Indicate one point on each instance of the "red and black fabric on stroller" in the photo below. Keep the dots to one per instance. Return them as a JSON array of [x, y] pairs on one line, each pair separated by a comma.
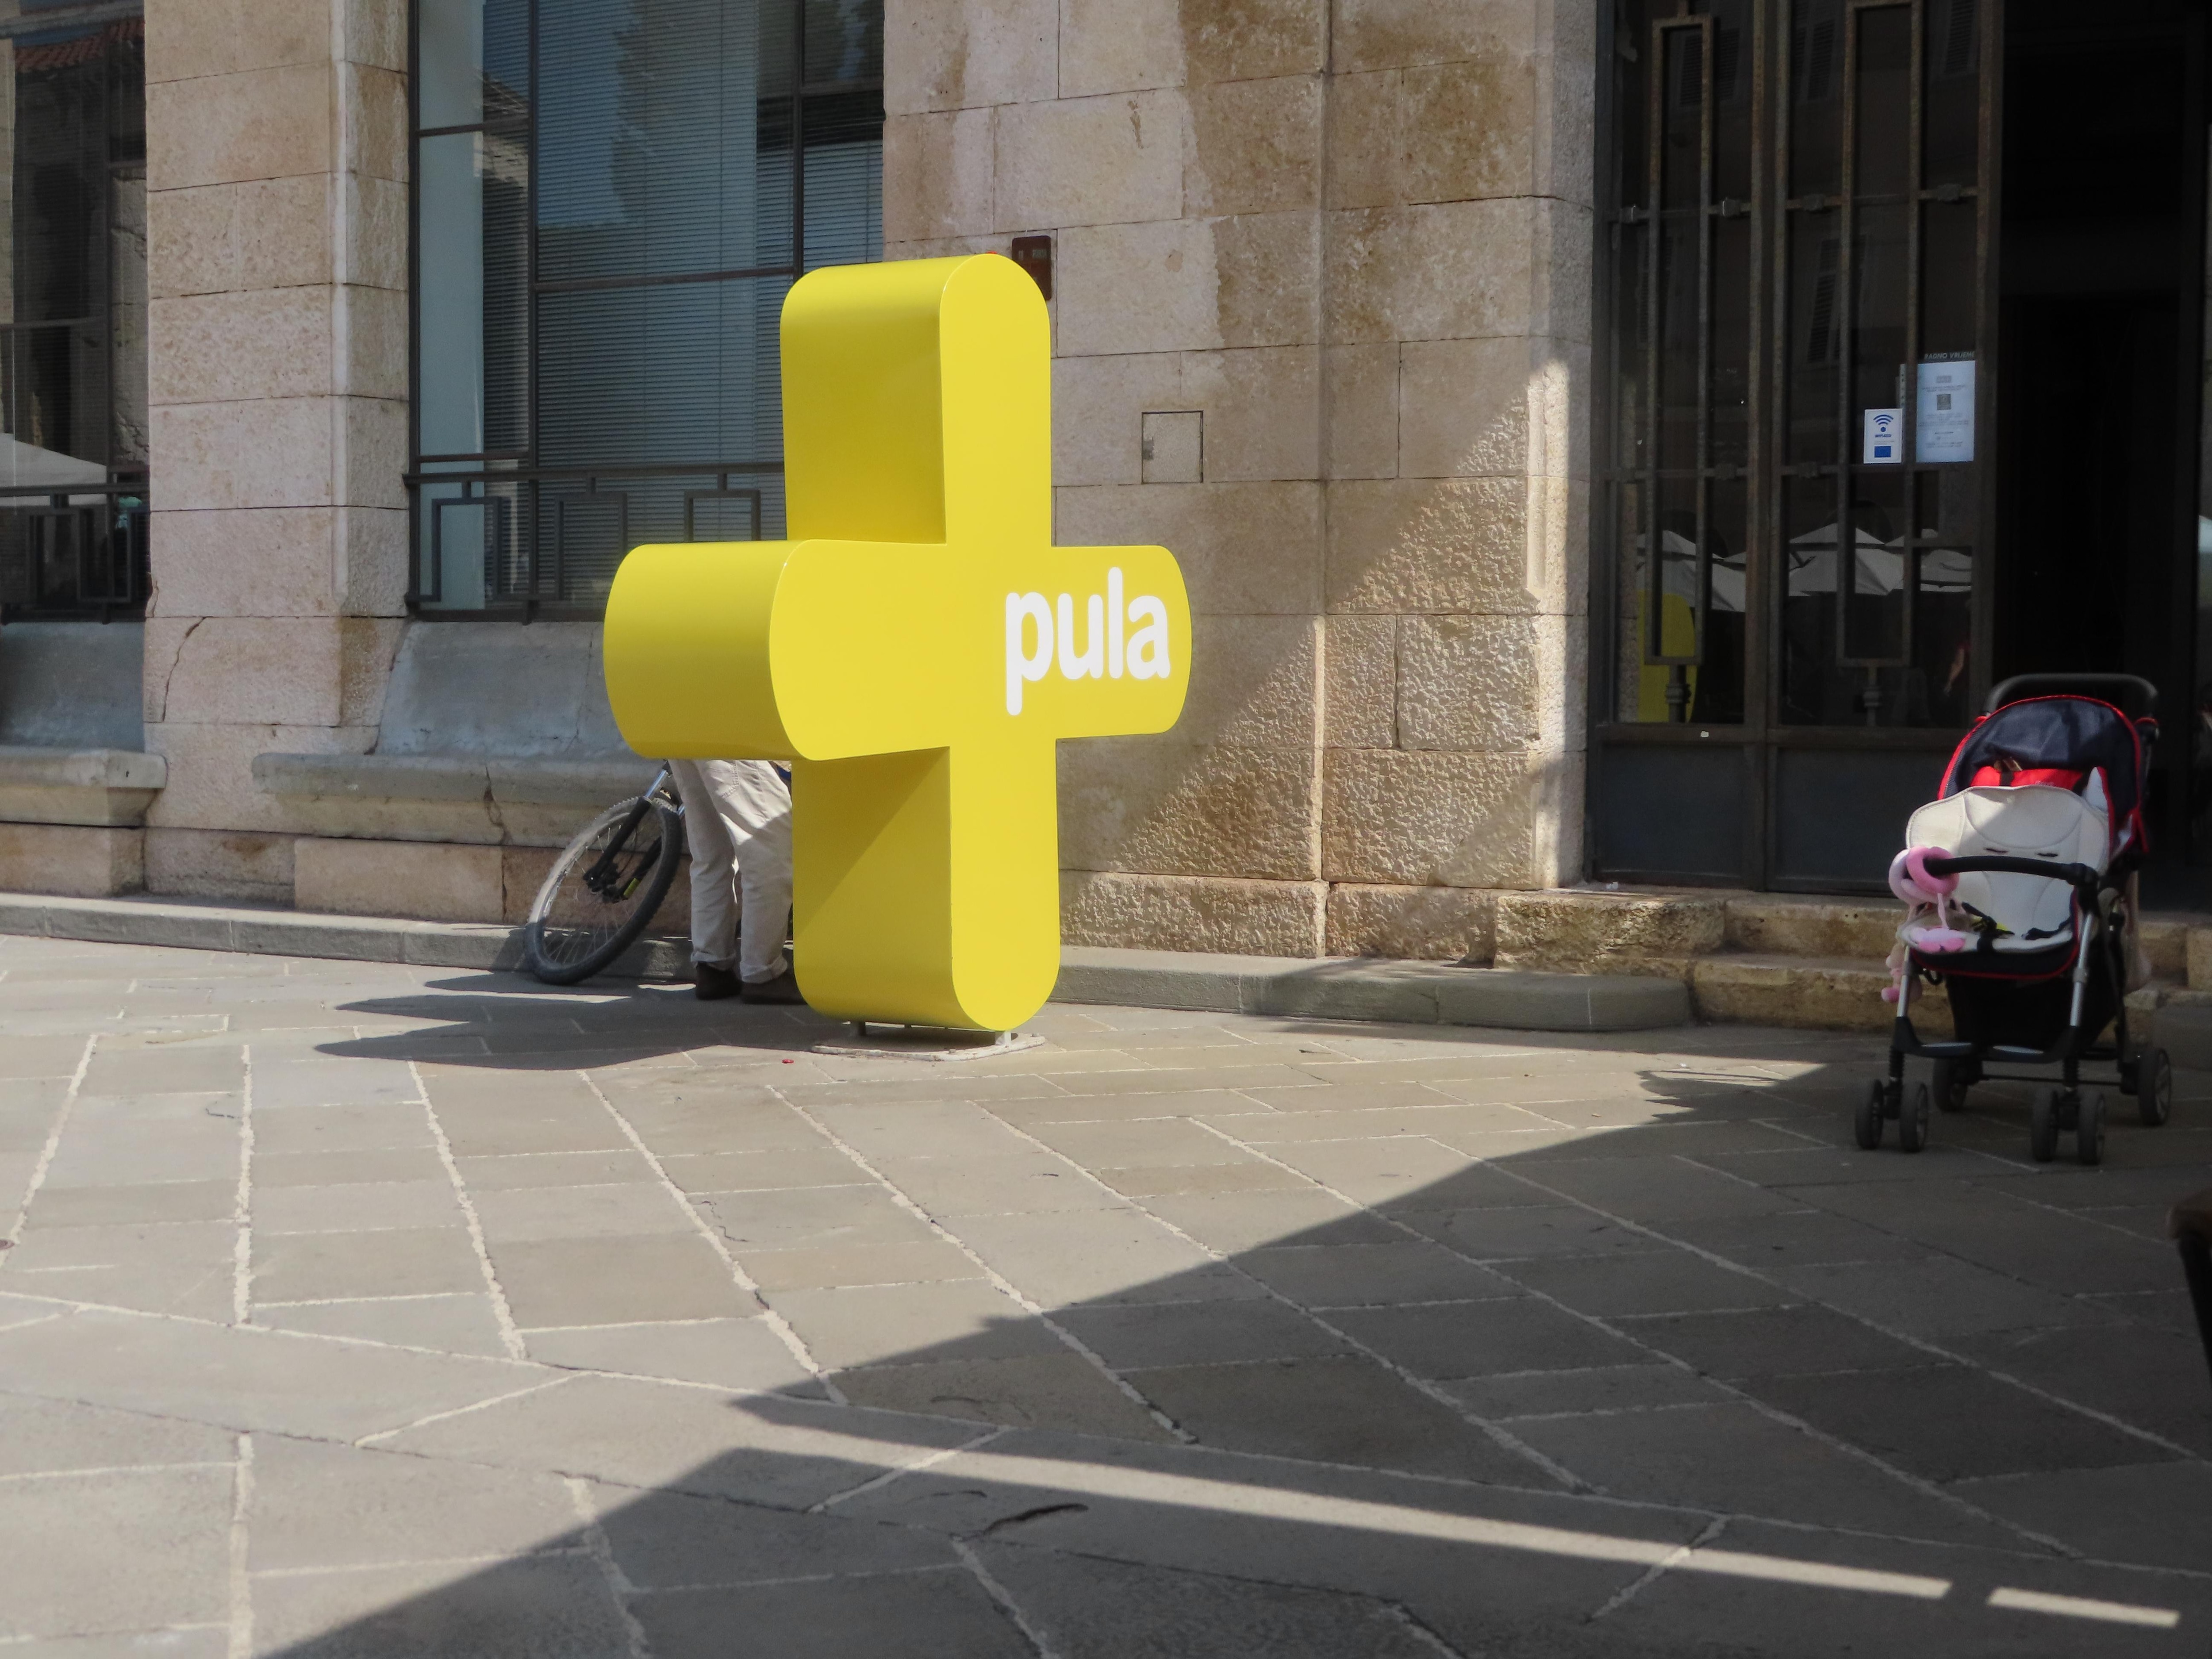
[[2018, 882]]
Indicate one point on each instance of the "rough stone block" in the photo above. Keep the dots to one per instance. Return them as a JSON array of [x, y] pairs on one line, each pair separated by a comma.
[[1580, 932], [376, 120], [219, 864], [1378, 34], [1253, 682], [1262, 409], [1410, 546], [1098, 404], [1469, 683], [1439, 132], [1137, 288], [224, 128], [266, 452], [1254, 146], [1110, 159], [2199, 959], [1192, 913], [375, 229], [307, 671], [221, 37], [211, 784], [1464, 406], [74, 860], [938, 175], [1119, 46], [1434, 924], [968, 54], [1362, 682], [2166, 944], [1837, 996], [376, 452], [1769, 926], [1270, 269], [1146, 805], [261, 234], [270, 562], [376, 321], [1246, 549], [1431, 819], [1248, 39], [1454, 270], [220, 347], [422, 881], [1361, 385]]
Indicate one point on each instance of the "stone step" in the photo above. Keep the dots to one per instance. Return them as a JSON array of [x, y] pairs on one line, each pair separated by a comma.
[[1412, 992], [1666, 930]]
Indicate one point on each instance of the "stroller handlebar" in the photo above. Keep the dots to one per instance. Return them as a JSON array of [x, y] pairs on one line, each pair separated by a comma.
[[2074, 875]]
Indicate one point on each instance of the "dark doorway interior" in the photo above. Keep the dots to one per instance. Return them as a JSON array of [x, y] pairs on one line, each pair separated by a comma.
[[2100, 356]]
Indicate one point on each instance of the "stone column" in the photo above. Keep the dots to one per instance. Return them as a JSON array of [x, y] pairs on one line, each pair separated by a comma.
[[1458, 272], [277, 226]]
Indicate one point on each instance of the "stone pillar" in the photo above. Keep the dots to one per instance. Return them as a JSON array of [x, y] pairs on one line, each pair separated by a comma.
[[1321, 307], [1458, 272], [277, 228]]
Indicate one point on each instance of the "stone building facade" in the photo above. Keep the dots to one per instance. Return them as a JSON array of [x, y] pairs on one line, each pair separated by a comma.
[[1321, 289]]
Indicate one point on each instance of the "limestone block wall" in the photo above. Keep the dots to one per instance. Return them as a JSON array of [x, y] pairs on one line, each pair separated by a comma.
[[1321, 313], [278, 368]]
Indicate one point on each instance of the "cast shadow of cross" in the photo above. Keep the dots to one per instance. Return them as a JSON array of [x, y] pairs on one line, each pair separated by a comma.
[[1509, 1345]]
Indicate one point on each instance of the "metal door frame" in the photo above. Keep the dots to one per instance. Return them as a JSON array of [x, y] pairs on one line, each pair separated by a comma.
[[1763, 738]]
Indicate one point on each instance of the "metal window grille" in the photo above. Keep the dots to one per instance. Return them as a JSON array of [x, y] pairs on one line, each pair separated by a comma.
[[73, 491]]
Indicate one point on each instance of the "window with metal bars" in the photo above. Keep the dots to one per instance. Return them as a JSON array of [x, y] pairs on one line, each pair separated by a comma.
[[612, 199], [73, 408]]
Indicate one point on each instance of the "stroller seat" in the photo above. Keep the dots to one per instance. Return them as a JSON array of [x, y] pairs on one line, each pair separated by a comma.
[[2037, 965], [2012, 915]]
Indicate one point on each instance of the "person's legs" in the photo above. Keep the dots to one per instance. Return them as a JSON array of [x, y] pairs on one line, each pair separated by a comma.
[[754, 806], [714, 867]]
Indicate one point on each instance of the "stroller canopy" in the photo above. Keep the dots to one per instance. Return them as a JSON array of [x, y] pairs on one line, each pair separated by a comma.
[[2078, 743]]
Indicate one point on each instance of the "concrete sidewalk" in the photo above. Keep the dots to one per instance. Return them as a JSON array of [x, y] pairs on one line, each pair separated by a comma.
[[368, 1309]]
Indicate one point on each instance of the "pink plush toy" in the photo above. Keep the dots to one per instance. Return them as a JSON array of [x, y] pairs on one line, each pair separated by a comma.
[[1913, 883]]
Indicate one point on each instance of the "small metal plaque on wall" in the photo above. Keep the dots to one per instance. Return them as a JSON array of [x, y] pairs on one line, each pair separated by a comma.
[[1034, 255]]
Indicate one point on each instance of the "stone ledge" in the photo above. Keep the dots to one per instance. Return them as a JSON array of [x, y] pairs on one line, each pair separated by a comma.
[[1409, 993], [268, 931], [519, 782], [101, 788]]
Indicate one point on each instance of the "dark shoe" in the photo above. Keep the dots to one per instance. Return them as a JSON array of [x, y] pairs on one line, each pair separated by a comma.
[[784, 988], [711, 984]]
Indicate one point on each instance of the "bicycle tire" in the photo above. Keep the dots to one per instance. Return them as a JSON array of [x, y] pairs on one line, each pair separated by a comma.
[[561, 952]]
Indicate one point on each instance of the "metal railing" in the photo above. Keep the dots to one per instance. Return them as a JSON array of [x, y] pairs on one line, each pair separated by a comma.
[[74, 553]]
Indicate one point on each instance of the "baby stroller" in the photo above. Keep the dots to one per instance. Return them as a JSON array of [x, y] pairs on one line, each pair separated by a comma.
[[2017, 879]]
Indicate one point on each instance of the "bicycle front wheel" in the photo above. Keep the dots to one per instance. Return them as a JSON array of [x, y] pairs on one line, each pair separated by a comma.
[[603, 890]]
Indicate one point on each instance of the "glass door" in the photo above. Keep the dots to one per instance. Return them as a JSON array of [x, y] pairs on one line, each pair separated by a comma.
[[1791, 588]]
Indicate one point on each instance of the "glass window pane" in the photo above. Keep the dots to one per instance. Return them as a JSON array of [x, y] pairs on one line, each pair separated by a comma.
[[650, 161], [450, 59], [677, 373]]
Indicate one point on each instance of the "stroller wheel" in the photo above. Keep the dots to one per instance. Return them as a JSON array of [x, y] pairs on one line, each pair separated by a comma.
[[2043, 1126], [2089, 1130], [1912, 1120], [1949, 1086], [2155, 1087], [1866, 1125]]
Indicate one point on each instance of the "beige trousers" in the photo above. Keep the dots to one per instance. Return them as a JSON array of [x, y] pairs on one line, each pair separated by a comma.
[[737, 818]]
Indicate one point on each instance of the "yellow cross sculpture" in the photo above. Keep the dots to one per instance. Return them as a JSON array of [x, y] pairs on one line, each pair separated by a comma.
[[915, 650]]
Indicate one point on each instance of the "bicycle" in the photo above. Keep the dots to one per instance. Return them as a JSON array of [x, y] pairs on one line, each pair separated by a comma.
[[607, 885]]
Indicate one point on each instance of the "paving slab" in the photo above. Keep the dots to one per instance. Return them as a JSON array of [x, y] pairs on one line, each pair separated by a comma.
[[1363, 1323]]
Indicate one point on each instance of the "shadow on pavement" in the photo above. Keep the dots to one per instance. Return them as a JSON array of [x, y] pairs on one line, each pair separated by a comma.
[[1578, 1345]]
